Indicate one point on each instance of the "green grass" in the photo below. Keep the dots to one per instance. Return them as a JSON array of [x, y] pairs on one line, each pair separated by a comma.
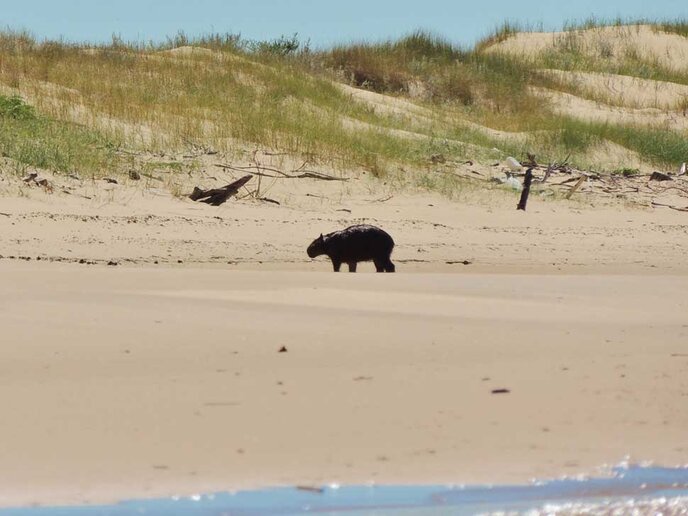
[[679, 27], [34, 140]]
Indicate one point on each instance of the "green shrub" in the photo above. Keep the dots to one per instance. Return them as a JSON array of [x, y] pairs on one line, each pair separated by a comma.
[[15, 107]]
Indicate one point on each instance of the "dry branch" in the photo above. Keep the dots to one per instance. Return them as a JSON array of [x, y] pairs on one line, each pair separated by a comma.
[[256, 171], [677, 208], [575, 188]]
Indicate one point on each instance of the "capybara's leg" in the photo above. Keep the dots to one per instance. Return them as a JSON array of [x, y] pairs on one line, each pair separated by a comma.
[[336, 265], [352, 266], [379, 265], [390, 266]]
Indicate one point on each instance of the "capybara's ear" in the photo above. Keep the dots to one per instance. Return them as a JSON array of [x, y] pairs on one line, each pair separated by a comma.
[[321, 236]]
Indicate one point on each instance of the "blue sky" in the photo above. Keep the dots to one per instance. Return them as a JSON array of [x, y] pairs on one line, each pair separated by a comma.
[[322, 21]]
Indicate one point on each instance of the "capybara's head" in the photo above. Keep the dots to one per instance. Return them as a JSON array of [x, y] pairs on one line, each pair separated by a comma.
[[317, 247]]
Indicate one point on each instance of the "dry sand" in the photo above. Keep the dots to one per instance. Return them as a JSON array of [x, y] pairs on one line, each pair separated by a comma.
[[145, 379], [139, 382]]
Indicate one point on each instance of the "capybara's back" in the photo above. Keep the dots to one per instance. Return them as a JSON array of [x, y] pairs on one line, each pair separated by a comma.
[[360, 243]]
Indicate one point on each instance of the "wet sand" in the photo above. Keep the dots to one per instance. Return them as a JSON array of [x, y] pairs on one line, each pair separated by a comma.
[[135, 382]]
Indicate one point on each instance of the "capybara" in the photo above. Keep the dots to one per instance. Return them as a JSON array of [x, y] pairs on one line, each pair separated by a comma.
[[361, 243]]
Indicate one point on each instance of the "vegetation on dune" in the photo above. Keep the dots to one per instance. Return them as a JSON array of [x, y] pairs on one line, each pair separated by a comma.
[[34, 140], [282, 94], [679, 27]]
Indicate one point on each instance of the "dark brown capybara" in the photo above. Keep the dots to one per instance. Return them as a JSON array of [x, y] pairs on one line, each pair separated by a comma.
[[361, 243]]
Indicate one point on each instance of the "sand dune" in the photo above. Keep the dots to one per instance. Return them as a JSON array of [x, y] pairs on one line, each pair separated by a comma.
[[625, 91], [577, 107], [613, 43]]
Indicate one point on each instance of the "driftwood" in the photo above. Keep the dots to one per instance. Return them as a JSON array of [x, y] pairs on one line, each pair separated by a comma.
[[658, 176], [38, 181], [257, 170], [526, 190], [677, 208], [575, 188], [218, 196]]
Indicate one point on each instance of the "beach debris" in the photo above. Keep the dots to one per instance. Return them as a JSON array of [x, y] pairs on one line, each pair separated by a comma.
[[575, 188], [113, 263], [34, 179], [512, 183], [438, 159], [311, 489], [283, 349], [257, 170], [134, 175], [110, 180], [513, 164], [530, 162], [659, 176], [218, 196], [383, 199], [526, 190], [501, 391], [459, 262], [682, 170], [662, 205]]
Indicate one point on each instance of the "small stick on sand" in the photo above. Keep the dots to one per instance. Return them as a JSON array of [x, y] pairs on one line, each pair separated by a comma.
[[575, 188]]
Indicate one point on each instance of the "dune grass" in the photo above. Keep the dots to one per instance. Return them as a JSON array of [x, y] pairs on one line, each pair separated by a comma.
[[280, 94], [679, 27], [34, 140]]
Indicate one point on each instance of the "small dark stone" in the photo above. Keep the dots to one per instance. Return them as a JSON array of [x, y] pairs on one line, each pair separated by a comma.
[[134, 175], [113, 263], [283, 349], [500, 391]]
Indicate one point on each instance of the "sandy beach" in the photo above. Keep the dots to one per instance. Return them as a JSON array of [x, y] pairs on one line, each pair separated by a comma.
[[135, 382]]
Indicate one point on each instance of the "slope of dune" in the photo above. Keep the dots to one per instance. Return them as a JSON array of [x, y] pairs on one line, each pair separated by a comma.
[[612, 43]]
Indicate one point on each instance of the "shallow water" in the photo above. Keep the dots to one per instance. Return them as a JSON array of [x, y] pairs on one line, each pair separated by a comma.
[[640, 490]]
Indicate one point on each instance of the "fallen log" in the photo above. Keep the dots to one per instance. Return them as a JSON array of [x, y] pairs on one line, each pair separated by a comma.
[[218, 196]]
